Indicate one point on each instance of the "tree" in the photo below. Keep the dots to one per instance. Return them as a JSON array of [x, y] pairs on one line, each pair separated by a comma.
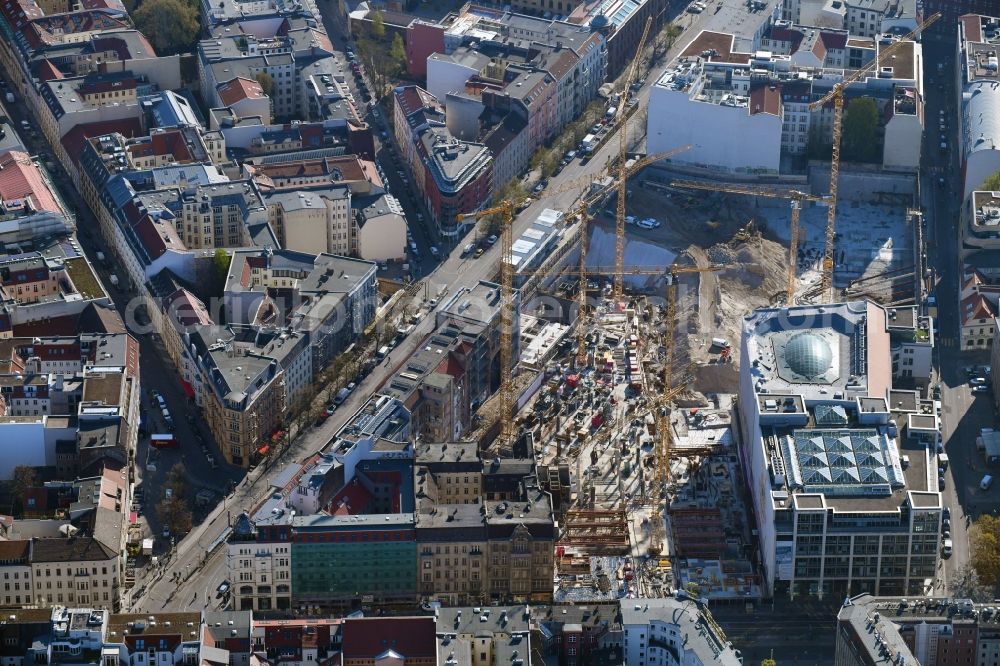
[[984, 540], [398, 53], [859, 141], [266, 82], [24, 478], [992, 182], [220, 270], [817, 148], [171, 25], [768, 662], [966, 585], [378, 25], [176, 480], [174, 515]]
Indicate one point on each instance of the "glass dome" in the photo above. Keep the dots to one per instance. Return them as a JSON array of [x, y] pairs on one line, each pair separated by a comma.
[[808, 355]]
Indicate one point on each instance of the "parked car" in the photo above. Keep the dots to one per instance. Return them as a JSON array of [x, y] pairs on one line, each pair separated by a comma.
[[223, 588], [479, 253], [491, 240], [946, 550]]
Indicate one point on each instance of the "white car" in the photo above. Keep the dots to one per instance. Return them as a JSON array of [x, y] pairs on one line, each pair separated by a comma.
[[648, 223], [947, 549]]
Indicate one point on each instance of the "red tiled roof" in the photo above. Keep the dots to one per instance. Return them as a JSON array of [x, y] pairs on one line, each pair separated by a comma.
[[238, 90], [368, 637], [783, 34], [976, 306], [765, 99], [171, 143], [20, 178], [350, 500], [451, 366], [833, 40], [46, 71], [11, 551], [56, 326], [74, 140], [973, 27], [187, 308], [156, 237]]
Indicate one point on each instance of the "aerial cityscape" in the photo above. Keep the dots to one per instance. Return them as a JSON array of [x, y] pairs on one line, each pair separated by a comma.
[[529, 333]]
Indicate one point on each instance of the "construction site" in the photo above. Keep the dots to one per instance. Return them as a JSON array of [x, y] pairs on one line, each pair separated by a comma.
[[630, 335]]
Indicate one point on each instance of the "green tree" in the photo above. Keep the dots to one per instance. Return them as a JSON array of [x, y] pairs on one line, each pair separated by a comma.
[[220, 268], [171, 25], [266, 82], [398, 53], [23, 479], [992, 182], [984, 540], [378, 25], [859, 142]]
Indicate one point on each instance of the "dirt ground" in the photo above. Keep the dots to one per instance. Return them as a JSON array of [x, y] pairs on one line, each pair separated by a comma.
[[707, 231]]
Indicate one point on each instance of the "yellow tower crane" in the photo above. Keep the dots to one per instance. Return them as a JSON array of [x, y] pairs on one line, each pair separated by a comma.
[[837, 96], [619, 283], [796, 198], [504, 444], [665, 441]]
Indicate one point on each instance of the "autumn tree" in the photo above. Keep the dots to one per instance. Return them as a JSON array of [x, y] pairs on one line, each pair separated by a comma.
[[859, 141], [768, 662], [174, 514], [984, 539], [266, 82], [171, 25], [176, 480], [23, 479], [965, 584]]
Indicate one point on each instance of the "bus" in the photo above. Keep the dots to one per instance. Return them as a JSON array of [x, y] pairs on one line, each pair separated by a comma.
[[163, 441]]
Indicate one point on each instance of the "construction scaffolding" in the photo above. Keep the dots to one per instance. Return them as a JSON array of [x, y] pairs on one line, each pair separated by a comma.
[[596, 532]]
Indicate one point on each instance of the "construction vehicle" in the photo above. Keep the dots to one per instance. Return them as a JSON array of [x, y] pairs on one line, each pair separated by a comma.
[[837, 97], [794, 196], [504, 444]]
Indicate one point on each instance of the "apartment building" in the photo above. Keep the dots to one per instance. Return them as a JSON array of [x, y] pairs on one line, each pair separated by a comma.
[[497, 635], [15, 564], [730, 104], [911, 342], [314, 219], [457, 365], [468, 549], [979, 100], [31, 207], [260, 569], [930, 630], [674, 630], [245, 396], [838, 462], [406, 639], [457, 176]]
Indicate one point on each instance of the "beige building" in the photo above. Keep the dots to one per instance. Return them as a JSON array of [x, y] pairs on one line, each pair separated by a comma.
[[313, 220], [260, 571], [475, 550], [381, 229], [244, 396], [75, 571], [215, 216], [15, 567]]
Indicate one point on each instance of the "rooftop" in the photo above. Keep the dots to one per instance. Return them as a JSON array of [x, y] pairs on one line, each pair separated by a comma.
[[699, 632]]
